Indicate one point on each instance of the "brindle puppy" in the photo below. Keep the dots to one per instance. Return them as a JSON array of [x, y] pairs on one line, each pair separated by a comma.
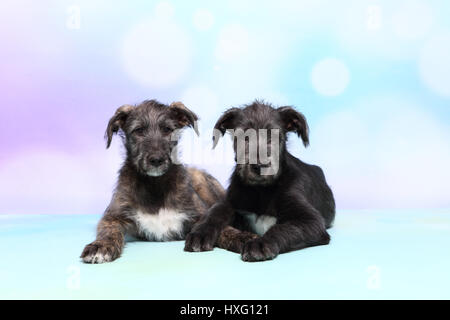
[[284, 200], [156, 198]]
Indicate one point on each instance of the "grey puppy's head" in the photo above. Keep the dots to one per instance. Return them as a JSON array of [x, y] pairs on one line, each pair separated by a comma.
[[259, 138], [150, 132]]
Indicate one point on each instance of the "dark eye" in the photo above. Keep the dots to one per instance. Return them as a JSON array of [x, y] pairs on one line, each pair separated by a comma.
[[138, 131], [166, 129]]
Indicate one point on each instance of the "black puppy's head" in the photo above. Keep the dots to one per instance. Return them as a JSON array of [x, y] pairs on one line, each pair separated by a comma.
[[150, 132], [259, 138]]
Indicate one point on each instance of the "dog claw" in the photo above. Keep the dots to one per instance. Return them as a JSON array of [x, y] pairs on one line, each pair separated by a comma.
[[258, 250], [198, 242], [99, 252]]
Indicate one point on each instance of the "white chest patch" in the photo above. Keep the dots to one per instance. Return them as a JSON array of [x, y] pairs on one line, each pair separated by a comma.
[[260, 224], [166, 225]]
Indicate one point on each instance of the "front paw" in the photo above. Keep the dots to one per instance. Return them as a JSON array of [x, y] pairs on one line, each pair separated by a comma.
[[100, 252], [259, 250], [202, 239]]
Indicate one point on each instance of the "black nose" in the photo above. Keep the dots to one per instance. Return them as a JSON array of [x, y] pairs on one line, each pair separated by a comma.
[[156, 162], [256, 168]]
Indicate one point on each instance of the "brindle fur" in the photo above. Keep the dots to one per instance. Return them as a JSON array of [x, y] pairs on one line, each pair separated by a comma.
[[186, 190]]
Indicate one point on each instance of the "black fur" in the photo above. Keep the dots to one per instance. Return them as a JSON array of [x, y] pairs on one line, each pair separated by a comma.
[[297, 195]]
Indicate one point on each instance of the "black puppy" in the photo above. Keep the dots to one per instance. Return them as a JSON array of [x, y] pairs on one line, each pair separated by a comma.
[[284, 200]]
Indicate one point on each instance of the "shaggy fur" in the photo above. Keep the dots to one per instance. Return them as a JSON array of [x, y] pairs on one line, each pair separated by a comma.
[[291, 209]]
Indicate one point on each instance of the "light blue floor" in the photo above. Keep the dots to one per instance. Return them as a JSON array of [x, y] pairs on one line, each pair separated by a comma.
[[373, 255]]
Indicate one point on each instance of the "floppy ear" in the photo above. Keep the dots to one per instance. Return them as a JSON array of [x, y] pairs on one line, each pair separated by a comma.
[[116, 122], [296, 122], [184, 116], [227, 121]]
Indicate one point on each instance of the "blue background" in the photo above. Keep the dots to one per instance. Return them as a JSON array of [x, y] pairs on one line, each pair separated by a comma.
[[372, 78]]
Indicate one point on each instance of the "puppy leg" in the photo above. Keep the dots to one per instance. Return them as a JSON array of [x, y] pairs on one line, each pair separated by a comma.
[[205, 233], [305, 230], [109, 243], [232, 239], [280, 238]]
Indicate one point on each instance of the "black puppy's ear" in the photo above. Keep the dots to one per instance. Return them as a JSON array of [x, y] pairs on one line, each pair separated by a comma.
[[227, 121], [184, 116], [296, 122], [116, 122]]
